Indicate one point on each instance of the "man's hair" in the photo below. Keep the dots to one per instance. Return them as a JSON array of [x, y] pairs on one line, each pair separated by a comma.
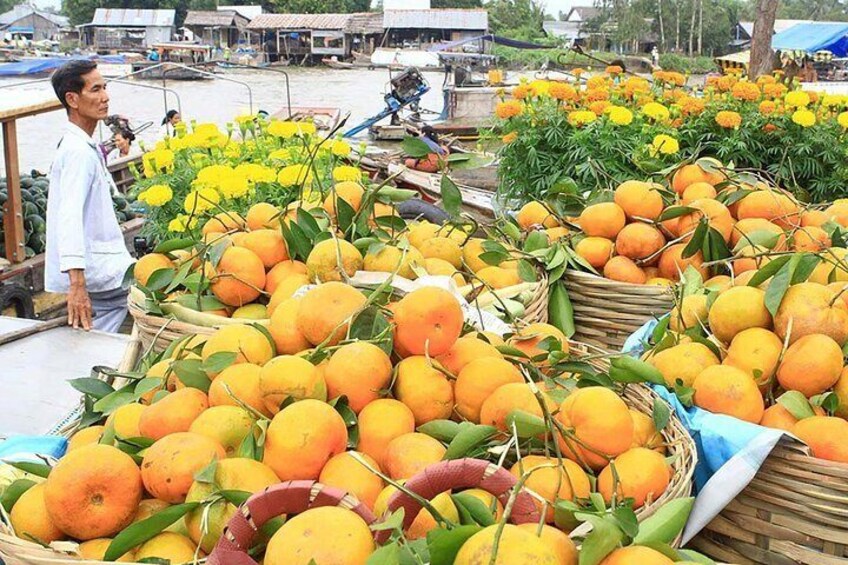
[[69, 78]]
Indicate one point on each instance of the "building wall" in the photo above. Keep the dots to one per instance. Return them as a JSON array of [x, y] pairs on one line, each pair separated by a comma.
[[42, 27], [157, 34]]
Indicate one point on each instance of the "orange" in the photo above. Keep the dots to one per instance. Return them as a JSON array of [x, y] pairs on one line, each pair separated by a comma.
[[443, 248], [287, 289], [515, 546], [595, 250], [838, 212], [757, 352], [174, 413], [284, 330], [737, 309], [282, 271], [227, 425], [508, 397], [149, 264], [556, 540], [424, 521], [479, 379], [239, 277], [288, 376], [827, 437], [687, 175], [750, 258], [780, 418], [718, 282], [811, 239], [428, 320], [409, 454], [691, 312], [424, 389], [636, 555], [645, 433], [639, 200], [745, 230], [813, 218], [391, 259], [263, 215], [527, 339], [125, 420], [600, 422], [642, 474], [326, 310], [772, 205], [498, 277], [672, 264], [380, 422], [622, 269], [169, 546], [268, 245], [350, 192], [556, 234], [301, 439], [321, 535], [536, 214], [727, 390], [85, 436], [224, 222], [471, 252], [360, 371], [332, 257], [30, 517], [602, 220], [698, 191], [683, 362], [811, 365], [717, 215], [465, 350], [841, 391], [169, 465], [639, 242], [810, 308], [95, 550], [553, 480], [345, 472], [93, 492], [242, 380]]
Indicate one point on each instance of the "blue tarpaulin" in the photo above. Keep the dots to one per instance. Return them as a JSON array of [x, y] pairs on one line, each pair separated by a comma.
[[47, 64], [814, 36]]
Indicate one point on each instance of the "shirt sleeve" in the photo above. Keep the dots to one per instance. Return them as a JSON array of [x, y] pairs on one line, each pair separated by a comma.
[[75, 181]]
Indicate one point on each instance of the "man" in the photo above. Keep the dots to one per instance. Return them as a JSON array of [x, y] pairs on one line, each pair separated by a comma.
[[86, 254]]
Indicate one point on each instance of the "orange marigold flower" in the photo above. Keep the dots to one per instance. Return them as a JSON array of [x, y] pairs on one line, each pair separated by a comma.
[[677, 122], [508, 109], [766, 79], [521, 92], [726, 83], [597, 81], [814, 96], [767, 107], [745, 91], [599, 107], [595, 94], [636, 85], [578, 71], [562, 91], [768, 128], [510, 137], [728, 119], [712, 80], [774, 90], [614, 70], [690, 106]]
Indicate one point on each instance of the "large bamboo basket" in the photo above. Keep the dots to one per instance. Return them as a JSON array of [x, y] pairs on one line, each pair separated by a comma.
[[536, 310], [158, 332], [795, 511], [607, 312]]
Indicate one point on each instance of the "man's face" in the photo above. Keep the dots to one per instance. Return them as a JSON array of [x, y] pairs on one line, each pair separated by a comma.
[[93, 101]]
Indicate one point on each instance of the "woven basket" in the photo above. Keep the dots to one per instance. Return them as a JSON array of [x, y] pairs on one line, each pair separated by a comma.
[[795, 511], [158, 332], [607, 312], [536, 310]]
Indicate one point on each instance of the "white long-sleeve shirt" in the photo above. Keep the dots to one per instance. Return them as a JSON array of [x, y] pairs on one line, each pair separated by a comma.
[[82, 229]]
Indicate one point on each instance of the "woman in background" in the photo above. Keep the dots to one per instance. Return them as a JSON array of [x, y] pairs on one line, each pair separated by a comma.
[[170, 121]]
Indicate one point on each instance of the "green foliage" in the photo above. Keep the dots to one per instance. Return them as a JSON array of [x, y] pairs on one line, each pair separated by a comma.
[[690, 65], [516, 18]]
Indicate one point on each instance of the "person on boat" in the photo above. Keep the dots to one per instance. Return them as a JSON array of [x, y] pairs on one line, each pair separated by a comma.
[[170, 121], [122, 139], [433, 161], [86, 254]]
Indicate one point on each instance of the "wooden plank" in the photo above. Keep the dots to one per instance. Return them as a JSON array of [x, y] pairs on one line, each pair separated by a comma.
[[10, 112], [13, 220]]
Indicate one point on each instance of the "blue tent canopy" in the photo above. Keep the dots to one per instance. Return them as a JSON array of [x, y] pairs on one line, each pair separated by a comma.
[[814, 36]]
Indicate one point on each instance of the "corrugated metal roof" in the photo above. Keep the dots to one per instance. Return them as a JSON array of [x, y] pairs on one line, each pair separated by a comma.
[[365, 23], [109, 17], [220, 18], [300, 21], [436, 19], [248, 12], [566, 30], [779, 25], [23, 10]]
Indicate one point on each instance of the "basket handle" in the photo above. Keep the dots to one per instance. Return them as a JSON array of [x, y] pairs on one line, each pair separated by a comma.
[[463, 473], [290, 497]]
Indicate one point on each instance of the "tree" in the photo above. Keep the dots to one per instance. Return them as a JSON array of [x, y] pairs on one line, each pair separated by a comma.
[[761, 54], [6, 5], [517, 18]]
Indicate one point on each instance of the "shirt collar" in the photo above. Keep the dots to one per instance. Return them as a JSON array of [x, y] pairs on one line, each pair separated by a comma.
[[74, 129]]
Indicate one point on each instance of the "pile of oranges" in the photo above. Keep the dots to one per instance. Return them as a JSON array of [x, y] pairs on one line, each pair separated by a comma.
[[766, 358], [249, 406]]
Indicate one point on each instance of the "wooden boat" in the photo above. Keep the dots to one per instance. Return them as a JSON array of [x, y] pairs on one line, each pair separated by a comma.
[[153, 70], [334, 63], [325, 118], [475, 201], [457, 129]]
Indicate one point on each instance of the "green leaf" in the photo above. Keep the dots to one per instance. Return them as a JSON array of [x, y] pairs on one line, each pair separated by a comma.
[[370, 323], [235, 497], [113, 401], [14, 491], [768, 270], [601, 541], [298, 244], [526, 424], [780, 284], [717, 245], [696, 243], [626, 369], [476, 508], [140, 532], [393, 521], [215, 251], [344, 215], [182, 274], [207, 303], [219, 361], [467, 440], [307, 223], [560, 310], [535, 240], [494, 258], [661, 414], [94, 388], [797, 404], [393, 223], [160, 279], [442, 430], [207, 474], [451, 197], [760, 238], [191, 373], [627, 521], [526, 271], [445, 544], [666, 523], [267, 333], [414, 147], [247, 448], [511, 351], [695, 557], [386, 555], [351, 422], [174, 244], [829, 401], [675, 212], [806, 265], [37, 469]]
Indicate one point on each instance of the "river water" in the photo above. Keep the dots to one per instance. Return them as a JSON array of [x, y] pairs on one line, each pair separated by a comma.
[[358, 91]]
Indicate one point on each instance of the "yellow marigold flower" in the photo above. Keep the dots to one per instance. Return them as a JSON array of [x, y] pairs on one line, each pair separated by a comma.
[[580, 118], [842, 120], [832, 100], [656, 111], [347, 173], [181, 223], [774, 90], [289, 129], [340, 148], [539, 87], [636, 85], [804, 118], [599, 107], [562, 91], [508, 109], [665, 145], [164, 158], [232, 150], [200, 200], [245, 119], [620, 115], [206, 130], [745, 91], [157, 195], [597, 81], [510, 137], [234, 185], [728, 119], [797, 99], [254, 172], [767, 107], [294, 175], [614, 70], [161, 144], [521, 92]]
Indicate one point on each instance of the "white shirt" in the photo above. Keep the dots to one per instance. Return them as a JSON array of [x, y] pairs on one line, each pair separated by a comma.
[[82, 229]]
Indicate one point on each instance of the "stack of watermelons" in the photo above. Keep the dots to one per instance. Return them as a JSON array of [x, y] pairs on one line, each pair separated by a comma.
[[34, 189]]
